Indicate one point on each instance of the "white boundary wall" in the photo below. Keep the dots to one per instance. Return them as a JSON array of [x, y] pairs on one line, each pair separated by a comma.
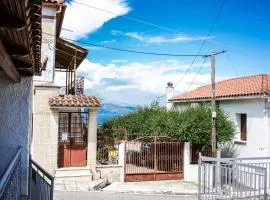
[[190, 170]]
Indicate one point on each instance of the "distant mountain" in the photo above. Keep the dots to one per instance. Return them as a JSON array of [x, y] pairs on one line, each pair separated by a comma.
[[110, 110]]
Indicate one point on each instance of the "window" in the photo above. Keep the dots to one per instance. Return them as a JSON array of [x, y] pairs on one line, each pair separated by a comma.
[[243, 127]]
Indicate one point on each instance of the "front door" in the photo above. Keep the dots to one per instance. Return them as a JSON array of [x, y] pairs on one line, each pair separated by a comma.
[[72, 139]]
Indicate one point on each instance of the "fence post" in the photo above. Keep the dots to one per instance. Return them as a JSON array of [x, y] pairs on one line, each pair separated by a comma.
[[199, 177], [265, 184], [186, 161], [217, 171], [121, 160]]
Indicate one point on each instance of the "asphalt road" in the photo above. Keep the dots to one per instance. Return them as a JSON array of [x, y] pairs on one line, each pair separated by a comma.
[[68, 195]]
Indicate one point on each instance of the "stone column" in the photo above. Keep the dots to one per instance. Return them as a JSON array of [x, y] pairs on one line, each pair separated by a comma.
[[92, 141]]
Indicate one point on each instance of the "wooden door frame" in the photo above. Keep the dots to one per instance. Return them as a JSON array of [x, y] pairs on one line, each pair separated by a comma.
[[61, 146]]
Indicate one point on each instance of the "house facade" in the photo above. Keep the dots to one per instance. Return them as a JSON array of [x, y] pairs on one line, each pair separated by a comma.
[[246, 100], [64, 135]]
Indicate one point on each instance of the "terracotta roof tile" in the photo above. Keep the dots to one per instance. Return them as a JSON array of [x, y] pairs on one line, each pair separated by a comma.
[[54, 1], [243, 86], [74, 101]]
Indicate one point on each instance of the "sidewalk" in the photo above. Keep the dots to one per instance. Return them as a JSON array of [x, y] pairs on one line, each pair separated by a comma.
[[178, 187]]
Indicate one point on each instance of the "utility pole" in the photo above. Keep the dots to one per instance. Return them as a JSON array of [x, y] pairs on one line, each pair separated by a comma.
[[213, 102]]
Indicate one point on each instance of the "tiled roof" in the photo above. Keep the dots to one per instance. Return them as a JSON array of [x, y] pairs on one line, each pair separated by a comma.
[[243, 86], [54, 1], [74, 101]]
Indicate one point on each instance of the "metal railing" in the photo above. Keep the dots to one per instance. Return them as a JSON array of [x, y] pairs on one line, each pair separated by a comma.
[[153, 160], [228, 178], [41, 183], [10, 182]]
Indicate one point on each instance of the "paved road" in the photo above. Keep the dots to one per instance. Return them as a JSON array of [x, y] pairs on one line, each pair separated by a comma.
[[64, 195]]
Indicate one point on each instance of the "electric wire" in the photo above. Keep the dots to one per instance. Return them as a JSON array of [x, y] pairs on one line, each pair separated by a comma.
[[198, 72], [202, 46], [131, 51]]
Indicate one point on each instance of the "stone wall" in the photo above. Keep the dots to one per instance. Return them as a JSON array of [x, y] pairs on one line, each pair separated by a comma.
[[111, 172], [45, 128], [15, 123]]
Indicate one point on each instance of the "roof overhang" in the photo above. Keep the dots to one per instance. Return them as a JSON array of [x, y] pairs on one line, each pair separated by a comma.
[[69, 56], [20, 33], [75, 101], [219, 99]]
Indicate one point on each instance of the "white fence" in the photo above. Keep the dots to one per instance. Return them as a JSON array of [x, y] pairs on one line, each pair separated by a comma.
[[228, 178]]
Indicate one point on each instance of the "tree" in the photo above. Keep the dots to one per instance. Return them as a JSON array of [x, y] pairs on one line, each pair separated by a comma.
[[193, 124]]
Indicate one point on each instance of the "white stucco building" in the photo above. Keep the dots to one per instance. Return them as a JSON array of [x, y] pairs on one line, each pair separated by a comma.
[[247, 102]]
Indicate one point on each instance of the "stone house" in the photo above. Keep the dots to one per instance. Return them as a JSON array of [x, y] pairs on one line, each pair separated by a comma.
[[64, 135]]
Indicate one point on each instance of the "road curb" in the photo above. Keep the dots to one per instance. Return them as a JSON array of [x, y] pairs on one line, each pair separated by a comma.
[[152, 192]]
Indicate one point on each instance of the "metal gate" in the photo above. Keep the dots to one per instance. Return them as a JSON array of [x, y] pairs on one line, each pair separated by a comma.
[[146, 161], [72, 139], [231, 179]]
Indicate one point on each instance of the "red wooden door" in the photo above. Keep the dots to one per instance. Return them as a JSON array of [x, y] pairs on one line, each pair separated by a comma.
[[72, 141]]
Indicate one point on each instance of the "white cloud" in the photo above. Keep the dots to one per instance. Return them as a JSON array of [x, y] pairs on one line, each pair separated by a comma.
[[160, 39], [119, 61], [83, 20], [147, 77], [137, 82]]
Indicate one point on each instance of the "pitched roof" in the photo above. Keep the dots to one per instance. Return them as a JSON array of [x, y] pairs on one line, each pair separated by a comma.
[[236, 87], [74, 101]]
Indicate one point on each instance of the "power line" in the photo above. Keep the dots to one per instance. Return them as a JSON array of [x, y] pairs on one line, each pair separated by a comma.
[[231, 63], [130, 18], [132, 51], [198, 72], [203, 44]]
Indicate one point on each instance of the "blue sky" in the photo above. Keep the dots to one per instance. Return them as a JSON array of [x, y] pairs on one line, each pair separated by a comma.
[[243, 29]]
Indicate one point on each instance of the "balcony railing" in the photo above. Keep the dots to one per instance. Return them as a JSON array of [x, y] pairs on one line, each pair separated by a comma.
[[74, 88], [10, 182], [41, 183]]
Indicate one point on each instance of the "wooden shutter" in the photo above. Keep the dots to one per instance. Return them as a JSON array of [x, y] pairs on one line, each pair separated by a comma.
[[243, 127]]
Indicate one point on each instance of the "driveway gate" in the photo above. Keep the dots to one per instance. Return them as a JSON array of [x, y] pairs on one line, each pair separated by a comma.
[[146, 161], [232, 179]]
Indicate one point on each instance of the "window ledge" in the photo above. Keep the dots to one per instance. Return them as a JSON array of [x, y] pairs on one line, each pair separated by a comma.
[[240, 142]]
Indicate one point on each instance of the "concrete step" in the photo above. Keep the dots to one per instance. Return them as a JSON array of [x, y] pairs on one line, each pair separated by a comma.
[[74, 172], [80, 185]]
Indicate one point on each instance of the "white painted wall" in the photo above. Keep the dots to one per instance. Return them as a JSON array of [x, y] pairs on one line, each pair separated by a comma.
[[257, 126], [15, 123], [190, 170]]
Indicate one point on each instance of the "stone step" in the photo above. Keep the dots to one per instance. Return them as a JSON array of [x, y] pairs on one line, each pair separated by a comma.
[[80, 185], [73, 172]]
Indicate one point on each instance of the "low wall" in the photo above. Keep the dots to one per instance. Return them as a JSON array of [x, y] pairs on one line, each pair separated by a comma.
[[111, 172], [190, 170]]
